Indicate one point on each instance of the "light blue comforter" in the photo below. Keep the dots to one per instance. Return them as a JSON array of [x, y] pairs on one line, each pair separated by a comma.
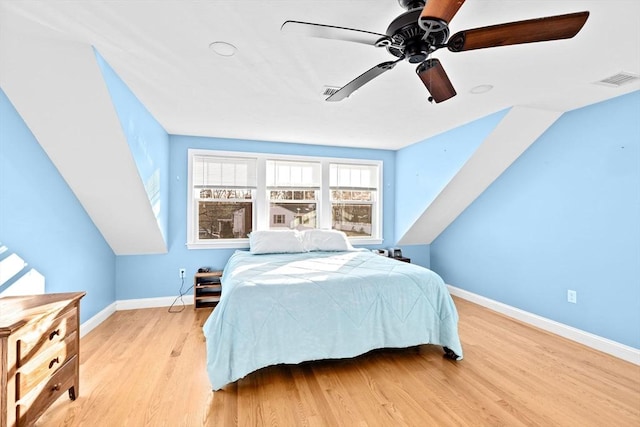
[[290, 308]]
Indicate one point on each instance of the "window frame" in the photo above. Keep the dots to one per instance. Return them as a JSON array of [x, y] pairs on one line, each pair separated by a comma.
[[262, 200], [307, 180], [354, 187]]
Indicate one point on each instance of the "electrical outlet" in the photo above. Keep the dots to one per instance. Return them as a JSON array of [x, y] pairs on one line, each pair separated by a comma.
[[182, 272], [572, 296]]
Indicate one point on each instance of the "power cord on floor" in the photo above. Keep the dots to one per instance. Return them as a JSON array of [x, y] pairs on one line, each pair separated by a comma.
[[179, 297]]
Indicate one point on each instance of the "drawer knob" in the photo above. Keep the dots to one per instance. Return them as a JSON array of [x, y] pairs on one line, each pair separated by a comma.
[[53, 362], [53, 334], [56, 387]]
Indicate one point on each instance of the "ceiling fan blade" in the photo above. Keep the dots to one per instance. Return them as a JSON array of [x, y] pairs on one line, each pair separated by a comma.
[[362, 79], [529, 31], [439, 10], [436, 80], [335, 33]]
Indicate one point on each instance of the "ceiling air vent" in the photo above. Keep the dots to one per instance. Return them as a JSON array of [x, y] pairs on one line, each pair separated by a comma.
[[617, 80], [329, 90]]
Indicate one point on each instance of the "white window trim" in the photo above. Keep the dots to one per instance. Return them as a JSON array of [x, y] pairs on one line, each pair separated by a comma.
[[262, 204]]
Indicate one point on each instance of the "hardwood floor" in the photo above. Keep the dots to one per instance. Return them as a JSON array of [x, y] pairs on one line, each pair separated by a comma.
[[147, 368]]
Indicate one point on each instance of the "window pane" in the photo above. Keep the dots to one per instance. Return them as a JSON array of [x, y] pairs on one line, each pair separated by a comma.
[[212, 171], [224, 220], [293, 215], [353, 176], [354, 219], [225, 193], [286, 173], [293, 195], [347, 195]]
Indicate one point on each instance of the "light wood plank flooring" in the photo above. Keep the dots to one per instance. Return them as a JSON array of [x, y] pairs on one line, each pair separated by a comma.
[[147, 368]]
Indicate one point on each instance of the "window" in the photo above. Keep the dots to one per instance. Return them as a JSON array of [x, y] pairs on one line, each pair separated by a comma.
[[353, 198], [224, 191], [233, 193], [292, 190]]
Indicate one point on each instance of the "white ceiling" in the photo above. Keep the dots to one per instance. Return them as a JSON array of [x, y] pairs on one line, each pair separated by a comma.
[[271, 89]]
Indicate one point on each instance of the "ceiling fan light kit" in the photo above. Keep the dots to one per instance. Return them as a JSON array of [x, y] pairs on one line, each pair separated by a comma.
[[435, 80], [424, 28]]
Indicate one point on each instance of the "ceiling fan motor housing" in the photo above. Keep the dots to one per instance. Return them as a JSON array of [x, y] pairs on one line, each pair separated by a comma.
[[416, 50], [407, 37]]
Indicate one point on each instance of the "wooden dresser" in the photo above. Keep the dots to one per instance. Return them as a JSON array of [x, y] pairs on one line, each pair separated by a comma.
[[39, 347]]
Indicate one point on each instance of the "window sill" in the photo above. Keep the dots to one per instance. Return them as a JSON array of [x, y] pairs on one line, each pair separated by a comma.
[[364, 242], [224, 244], [244, 244]]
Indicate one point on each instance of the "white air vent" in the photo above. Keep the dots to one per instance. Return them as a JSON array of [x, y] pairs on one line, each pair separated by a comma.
[[329, 90], [622, 78]]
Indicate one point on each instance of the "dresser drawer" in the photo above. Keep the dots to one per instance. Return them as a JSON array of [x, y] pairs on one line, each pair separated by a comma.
[[30, 408], [48, 332], [45, 364]]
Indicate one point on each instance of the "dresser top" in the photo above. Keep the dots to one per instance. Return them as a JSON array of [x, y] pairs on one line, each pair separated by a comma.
[[16, 311]]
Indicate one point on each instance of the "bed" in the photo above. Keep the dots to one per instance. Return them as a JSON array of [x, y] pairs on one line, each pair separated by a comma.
[[286, 308]]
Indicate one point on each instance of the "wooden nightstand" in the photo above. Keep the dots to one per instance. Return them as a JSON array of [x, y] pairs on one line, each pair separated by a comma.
[[403, 259], [207, 288]]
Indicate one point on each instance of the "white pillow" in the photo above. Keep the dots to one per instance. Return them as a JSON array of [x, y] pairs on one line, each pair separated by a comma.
[[275, 242], [325, 240]]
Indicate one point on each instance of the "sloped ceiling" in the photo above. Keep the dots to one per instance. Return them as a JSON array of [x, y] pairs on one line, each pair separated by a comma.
[[270, 90], [520, 128], [58, 89]]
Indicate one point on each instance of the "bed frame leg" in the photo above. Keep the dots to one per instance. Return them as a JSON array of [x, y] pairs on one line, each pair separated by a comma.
[[449, 354]]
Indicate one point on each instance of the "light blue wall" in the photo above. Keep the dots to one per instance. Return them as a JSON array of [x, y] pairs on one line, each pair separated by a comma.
[[565, 215], [42, 221], [148, 141], [144, 276], [425, 168], [419, 254]]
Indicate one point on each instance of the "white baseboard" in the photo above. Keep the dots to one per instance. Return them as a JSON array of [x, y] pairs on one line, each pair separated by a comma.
[[90, 324], [134, 304], [605, 345], [131, 304]]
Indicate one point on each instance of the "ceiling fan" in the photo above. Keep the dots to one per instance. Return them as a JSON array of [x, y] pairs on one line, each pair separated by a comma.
[[424, 28]]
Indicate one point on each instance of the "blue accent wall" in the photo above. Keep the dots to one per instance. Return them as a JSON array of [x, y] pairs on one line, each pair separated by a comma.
[[43, 222], [148, 141], [144, 276], [565, 215]]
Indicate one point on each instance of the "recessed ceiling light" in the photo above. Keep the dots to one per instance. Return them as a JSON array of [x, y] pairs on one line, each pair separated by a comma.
[[481, 89], [223, 48]]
